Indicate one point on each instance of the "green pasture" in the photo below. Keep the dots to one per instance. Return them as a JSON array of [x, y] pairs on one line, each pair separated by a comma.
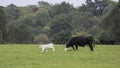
[[30, 56]]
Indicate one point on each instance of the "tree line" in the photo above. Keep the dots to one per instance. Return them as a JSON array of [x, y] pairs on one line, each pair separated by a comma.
[[57, 23]]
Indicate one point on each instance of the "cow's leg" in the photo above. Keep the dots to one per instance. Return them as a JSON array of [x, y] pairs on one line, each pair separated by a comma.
[[91, 47], [76, 46], [73, 48]]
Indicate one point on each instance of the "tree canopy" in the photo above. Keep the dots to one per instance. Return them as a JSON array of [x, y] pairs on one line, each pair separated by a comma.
[[111, 22], [45, 22], [3, 22]]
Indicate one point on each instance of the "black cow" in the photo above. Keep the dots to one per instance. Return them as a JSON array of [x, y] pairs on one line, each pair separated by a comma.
[[107, 41], [80, 41]]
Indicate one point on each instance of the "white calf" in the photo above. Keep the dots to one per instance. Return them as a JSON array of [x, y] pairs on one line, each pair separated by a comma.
[[47, 46]]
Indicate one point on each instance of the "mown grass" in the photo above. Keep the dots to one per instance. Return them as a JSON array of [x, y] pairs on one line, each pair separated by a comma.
[[30, 56]]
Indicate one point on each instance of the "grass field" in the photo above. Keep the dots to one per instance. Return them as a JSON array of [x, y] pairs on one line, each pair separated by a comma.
[[30, 56]]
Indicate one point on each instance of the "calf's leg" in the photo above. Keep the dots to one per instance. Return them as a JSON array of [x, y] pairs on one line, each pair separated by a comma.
[[53, 48]]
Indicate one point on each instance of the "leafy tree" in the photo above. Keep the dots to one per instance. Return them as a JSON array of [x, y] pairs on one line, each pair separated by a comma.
[[88, 1], [62, 8], [82, 8], [12, 12], [98, 7], [84, 21], [82, 33], [111, 23], [59, 23], [46, 30], [103, 35], [35, 21], [28, 10], [41, 17], [41, 39], [62, 37], [19, 33], [3, 22], [60, 26], [44, 5], [31, 8]]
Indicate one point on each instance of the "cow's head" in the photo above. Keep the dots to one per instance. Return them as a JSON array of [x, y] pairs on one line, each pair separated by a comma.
[[67, 45]]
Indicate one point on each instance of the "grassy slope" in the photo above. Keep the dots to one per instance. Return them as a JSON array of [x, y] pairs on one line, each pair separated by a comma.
[[30, 56]]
